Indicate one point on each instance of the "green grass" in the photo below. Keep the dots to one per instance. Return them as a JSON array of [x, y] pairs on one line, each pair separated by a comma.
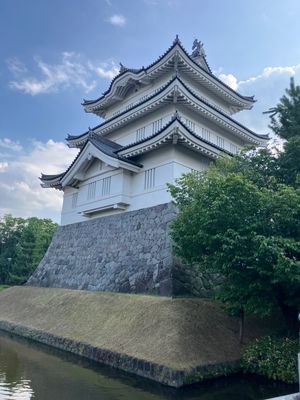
[[2, 287], [178, 333]]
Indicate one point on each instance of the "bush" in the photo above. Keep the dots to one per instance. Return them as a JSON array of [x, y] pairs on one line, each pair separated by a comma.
[[273, 357]]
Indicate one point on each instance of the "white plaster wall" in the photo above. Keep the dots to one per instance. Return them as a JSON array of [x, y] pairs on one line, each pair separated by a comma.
[[229, 138], [127, 134], [170, 162]]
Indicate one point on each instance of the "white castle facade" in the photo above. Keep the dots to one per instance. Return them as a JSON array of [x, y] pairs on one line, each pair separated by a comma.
[[161, 121]]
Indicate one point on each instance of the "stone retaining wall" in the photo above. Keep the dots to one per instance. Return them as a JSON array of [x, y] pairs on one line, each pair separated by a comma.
[[128, 252]]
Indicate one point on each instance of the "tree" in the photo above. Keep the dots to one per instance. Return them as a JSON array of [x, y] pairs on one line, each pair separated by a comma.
[[23, 243], [237, 220], [289, 162], [10, 232], [285, 117]]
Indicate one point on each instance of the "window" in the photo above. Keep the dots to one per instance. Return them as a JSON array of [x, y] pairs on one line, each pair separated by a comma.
[[190, 124], [156, 125], [149, 178], [74, 200], [220, 142], [106, 186], [233, 148], [205, 134], [91, 190], [140, 134]]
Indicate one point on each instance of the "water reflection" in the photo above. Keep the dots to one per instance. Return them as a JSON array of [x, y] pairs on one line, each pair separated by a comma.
[[30, 371]]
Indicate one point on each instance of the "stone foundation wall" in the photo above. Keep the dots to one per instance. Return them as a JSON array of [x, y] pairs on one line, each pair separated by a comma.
[[129, 252]]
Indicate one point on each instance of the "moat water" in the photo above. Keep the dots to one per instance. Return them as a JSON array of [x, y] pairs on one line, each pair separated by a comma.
[[31, 371]]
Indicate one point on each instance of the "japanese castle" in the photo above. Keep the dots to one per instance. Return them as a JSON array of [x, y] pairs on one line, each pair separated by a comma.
[[160, 121]]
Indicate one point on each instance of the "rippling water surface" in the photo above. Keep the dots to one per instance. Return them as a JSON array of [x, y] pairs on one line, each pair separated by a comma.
[[29, 371]]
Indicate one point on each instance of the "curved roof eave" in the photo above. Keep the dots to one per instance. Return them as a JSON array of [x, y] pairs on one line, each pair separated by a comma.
[[249, 99], [105, 146], [76, 138], [173, 121]]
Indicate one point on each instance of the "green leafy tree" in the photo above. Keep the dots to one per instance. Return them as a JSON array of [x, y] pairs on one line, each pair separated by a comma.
[[23, 243], [289, 162], [10, 232], [285, 117], [232, 224]]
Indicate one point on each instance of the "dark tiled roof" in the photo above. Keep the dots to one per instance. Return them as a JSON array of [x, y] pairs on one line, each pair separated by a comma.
[[137, 71], [106, 146], [72, 137], [110, 148], [50, 177], [221, 112], [156, 94]]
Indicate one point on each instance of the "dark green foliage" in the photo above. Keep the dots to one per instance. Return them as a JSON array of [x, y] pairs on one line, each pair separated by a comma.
[[289, 162], [23, 243], [273, 357], [285, 117], [249, 233]]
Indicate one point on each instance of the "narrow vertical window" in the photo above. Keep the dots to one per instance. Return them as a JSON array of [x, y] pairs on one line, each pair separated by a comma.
[[74, 200], [140, 134], [220, 142], [233, 148], [190, 124], [205, 134], [91, 190], [106, 182], [149, 180], [156, 125]]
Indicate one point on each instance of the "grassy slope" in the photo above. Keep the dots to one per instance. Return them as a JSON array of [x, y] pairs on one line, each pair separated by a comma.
[[179, 333]]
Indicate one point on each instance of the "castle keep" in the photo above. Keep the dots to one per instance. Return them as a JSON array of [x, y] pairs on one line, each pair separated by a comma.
[[159, 122]]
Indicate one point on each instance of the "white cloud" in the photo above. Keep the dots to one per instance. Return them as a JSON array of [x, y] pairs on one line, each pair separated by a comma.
[[117, 20], [267, 72], [15, 66], [71, 71], [21, 193], [9, 144], [230, 80], [105, 70], [3, 166], [268, 87]]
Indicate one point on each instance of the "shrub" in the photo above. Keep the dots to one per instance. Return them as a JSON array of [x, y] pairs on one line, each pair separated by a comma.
[[273, 357]]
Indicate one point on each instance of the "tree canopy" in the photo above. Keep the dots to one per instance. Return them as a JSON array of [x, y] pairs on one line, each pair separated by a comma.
[[285, 116], [232, 224], [23, 243]]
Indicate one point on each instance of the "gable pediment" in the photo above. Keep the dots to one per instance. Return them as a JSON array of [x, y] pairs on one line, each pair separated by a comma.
[[88, 158]]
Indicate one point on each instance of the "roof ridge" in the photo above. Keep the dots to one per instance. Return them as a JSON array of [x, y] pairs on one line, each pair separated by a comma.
[[174, 44], [71, 137], [175, 117], [221, 112]]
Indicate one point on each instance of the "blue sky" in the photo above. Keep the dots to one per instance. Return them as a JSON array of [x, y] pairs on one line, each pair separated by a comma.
[[55, 53]]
